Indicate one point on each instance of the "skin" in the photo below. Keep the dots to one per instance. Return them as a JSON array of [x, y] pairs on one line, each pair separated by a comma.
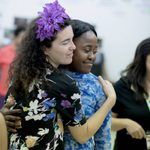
[[87, 59], [85, 53], [62, 48], [133, 128], [148, 65]]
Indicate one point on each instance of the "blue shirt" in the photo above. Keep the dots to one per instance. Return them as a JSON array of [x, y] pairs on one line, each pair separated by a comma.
[[92, 98]]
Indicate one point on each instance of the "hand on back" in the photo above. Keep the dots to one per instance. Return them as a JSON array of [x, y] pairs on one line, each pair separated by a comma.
[[108, 89], [12, 121]]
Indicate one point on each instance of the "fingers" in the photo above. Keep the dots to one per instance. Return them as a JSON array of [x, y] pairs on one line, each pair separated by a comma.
[[11, 130], [8, 105], [12, 118], [18, 124], [135, 130], [102, 81], [138, 135], [12, 112], [12, 126]]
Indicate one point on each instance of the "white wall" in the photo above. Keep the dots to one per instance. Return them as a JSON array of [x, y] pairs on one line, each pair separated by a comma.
[[121, 23]]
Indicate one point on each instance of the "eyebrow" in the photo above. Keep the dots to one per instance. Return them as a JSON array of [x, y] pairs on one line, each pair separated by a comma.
[[89, 46]]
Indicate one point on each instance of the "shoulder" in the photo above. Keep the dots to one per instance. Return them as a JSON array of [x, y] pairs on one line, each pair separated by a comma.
[[95, 84], [122, 87], [61, 80], [123, 82], [95, 80]]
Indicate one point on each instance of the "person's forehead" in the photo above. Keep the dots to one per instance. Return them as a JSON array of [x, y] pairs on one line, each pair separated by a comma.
[[64, 33]]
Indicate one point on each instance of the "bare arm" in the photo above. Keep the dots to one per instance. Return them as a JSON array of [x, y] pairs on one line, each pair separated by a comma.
[[86, 131], [118, 123], [132, 127]]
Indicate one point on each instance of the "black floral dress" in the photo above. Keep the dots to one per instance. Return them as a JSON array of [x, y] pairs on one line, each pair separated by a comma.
[[55, 93]]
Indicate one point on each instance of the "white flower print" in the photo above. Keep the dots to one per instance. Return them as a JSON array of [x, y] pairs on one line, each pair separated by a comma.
[[34, 106], [75, 96], [55, 144], [13, 138], [35, 117], [41, 93], [23, 147], [48, 146], [43, 131]]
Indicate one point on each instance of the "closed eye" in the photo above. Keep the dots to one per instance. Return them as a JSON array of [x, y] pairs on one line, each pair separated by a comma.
[[65, 42]]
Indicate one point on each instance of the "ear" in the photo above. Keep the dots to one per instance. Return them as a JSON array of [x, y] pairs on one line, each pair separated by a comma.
[[46, 50]]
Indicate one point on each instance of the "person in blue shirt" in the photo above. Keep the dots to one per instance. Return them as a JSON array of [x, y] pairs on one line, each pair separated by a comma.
[[92, 94]]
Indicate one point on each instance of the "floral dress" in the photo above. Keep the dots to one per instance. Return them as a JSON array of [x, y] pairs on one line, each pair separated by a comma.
[[55, 93]]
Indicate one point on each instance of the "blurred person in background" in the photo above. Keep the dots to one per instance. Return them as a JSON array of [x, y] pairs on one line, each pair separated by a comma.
[[131, 113], [7, 55]]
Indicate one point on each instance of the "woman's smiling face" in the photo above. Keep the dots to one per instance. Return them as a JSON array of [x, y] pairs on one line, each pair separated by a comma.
[[85, 52]]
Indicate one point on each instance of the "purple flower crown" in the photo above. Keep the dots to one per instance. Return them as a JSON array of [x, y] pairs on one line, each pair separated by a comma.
[[50, 21]]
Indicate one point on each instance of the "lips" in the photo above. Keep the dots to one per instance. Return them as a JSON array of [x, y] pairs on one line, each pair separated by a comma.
[[70, 55], [89, 63]]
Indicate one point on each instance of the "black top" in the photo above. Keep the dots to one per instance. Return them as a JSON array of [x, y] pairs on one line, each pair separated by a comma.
[[128, 107], [55, 93]]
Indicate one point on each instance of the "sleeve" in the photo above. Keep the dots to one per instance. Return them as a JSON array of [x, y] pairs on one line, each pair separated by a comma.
[[102, 137], [70, 107]]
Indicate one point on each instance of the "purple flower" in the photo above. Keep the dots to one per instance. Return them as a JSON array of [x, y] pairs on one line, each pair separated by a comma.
[[44, 94], [65, 104], [50, 21]]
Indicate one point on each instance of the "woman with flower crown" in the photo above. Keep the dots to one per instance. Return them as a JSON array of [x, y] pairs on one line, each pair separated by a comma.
[[43, 92]]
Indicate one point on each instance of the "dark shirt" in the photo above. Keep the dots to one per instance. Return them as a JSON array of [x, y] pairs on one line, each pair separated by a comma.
[[128, 107], [55, 93]]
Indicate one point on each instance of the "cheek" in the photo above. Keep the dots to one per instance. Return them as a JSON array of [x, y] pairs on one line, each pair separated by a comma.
[[148, 66], [94, 58]]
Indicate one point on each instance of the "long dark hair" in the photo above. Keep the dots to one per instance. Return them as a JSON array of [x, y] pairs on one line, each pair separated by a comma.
[[30, 62], [136, 71]]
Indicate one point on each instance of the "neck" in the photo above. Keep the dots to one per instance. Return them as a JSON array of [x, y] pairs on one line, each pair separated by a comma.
[[52, 63]]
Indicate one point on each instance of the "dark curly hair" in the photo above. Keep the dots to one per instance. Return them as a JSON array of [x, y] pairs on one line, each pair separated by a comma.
[[30, 62], [136, 71]]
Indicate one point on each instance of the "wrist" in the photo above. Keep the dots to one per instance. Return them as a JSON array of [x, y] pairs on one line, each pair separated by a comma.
[[111, 101], [126, 122]]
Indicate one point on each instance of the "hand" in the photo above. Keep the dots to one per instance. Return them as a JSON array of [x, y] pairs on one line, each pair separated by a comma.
[[108, 89], [12, 121], [134, 129]]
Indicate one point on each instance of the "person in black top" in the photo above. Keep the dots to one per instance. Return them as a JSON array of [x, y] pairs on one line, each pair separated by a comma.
[[131, 113], [49, 99]]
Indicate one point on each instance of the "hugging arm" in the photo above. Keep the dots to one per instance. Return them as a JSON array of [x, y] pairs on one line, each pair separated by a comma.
[[86, 131], [11, 117]]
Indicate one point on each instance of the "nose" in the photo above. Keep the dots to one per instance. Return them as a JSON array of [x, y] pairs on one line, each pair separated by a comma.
[[91, 55], [73, 45]]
